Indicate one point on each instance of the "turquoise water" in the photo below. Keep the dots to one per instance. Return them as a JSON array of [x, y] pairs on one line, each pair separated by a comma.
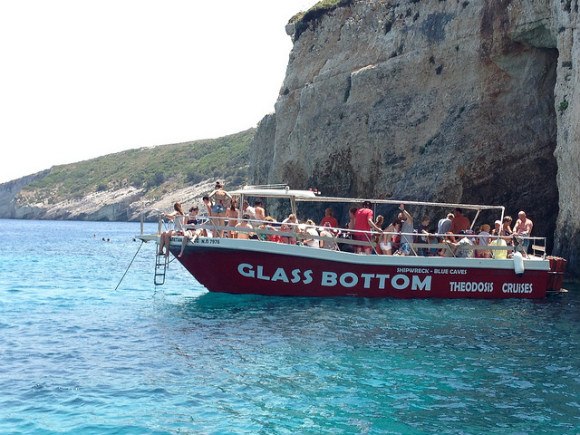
[[78, 356]]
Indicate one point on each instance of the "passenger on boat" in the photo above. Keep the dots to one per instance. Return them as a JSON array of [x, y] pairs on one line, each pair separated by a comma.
[[460, 222], [220, 198], [208, 205], [310, 234], [506, 232], [178, 218], [329, 218], [379, 221], [221, 201], [351, 217], [191, 232], [464, 247], [249, 210], [444, 225], [523, 228], [329, 237], [425, 236], [259, 211], [192, 215], [210, 224], [346, 235], [386, 240], [232, 216], [498, 242], [448, 250], [244, 228], [502, 238], [482, 240], [267, 226], [363, 221], [406, 231], [289, 225]]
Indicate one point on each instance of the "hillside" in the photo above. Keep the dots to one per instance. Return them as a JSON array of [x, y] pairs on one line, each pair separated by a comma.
[[118, 186]]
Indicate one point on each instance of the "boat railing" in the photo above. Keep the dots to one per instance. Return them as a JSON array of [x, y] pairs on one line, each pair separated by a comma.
[[340, 238]]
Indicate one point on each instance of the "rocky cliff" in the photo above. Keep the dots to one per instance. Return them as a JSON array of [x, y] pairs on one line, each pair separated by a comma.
[[456, 101], [122, 204]]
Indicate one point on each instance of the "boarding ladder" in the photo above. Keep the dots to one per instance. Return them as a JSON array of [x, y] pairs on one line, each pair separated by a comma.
[[161, 262]]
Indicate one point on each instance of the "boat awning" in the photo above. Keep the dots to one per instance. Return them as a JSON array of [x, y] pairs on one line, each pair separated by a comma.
[[275, 193], [282, 191]]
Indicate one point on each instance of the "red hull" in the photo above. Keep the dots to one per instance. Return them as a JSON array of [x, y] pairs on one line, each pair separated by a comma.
[[252, 267]]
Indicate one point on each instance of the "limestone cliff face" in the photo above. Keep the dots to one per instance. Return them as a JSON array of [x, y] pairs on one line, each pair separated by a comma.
[[471, 101]]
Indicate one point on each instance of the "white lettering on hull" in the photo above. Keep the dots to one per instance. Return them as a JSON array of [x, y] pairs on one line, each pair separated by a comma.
[[414, 279], [331, 279], [480, 287], [520, 287]]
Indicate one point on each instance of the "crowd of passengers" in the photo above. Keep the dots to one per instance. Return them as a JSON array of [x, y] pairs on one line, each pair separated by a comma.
[[363, 234]]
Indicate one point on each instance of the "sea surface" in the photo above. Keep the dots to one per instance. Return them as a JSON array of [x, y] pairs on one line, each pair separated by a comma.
[[84, 352]]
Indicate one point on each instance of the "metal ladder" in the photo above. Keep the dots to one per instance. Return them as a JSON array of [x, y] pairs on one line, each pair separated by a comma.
[[160, 268]]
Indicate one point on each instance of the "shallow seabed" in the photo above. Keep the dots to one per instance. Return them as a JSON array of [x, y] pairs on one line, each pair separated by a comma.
[[78, 356]]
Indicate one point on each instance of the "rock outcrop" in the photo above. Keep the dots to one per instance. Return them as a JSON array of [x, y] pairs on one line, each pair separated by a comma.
[[455, 101]]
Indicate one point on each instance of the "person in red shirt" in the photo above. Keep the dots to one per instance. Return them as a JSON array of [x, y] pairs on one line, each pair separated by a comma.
[[363, 221], [459, 222], [329, 218]]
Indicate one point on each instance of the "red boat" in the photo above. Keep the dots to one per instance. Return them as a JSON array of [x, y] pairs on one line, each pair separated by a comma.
[[259, 266]]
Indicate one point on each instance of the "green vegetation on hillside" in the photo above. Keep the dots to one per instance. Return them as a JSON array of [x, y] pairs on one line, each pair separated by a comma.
[[156, 169]]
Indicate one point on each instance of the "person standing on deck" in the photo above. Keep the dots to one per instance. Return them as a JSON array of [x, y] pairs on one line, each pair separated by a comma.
[[523, 228], [363, 221], [460, 222], [259, 211], [406, 230], [444, 225], [248, 209], [232, 216], [329, 218], [221, 202]]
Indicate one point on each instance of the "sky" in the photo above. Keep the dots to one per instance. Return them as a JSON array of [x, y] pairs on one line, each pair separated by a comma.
[[83, 78]]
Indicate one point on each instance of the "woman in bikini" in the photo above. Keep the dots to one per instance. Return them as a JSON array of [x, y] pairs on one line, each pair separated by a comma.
[[221, 202], [232, 214]]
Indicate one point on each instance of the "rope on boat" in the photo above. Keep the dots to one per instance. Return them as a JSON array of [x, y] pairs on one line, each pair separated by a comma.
[[134, 256]]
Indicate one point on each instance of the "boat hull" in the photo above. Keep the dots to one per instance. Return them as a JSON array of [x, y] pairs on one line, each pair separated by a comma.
[[252, 267]]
